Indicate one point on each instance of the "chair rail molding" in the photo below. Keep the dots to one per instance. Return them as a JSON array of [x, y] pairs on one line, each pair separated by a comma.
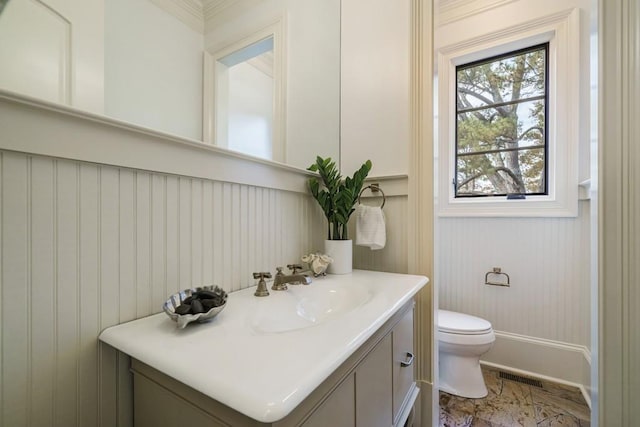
[[69, 133]]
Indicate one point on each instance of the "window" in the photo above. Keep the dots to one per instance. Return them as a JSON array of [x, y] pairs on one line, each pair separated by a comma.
[[501, 116], [511, 147]]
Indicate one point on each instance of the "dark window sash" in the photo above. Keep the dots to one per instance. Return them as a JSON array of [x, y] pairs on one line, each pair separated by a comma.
[[542, 47]]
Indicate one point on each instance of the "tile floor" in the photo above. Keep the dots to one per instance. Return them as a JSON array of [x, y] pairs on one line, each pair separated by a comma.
[[510, 404]]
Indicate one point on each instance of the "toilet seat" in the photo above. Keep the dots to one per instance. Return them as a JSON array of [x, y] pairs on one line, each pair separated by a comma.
[[451, 322]]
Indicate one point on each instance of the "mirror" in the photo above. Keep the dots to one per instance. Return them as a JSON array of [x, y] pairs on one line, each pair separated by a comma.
[[150, 63], [244, 96], [244, 110]]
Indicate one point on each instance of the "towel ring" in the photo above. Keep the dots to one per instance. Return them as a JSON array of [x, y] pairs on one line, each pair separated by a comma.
[[374, 189]]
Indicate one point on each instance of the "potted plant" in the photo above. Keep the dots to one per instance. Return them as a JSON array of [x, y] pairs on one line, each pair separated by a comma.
[[337, 197]]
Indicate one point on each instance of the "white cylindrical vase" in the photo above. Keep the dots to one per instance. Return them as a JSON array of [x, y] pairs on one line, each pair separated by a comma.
[[342, 253]]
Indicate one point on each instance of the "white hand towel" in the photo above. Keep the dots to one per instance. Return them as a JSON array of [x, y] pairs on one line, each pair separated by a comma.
[[370, 227]]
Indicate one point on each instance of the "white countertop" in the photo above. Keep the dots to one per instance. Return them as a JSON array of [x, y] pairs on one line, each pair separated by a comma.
[[257, 356]]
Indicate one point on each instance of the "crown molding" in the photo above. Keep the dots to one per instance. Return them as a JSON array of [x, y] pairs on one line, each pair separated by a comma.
[[189, 12], [217, 12], [211, 8], [453, 10], [202, 14]]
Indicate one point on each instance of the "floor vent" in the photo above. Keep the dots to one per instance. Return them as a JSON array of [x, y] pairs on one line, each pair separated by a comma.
[[519, 379]]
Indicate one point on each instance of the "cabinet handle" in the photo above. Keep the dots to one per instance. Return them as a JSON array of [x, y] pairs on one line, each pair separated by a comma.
[[408, 361]]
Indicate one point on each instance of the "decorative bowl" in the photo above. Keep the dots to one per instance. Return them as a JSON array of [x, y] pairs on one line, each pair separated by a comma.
[[178, 299]]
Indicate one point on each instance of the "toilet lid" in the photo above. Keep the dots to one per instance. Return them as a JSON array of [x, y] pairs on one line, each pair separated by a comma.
[[460, 323]]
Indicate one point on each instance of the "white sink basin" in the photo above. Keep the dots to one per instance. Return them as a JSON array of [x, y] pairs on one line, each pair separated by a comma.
[[305, 306], [312, 329]]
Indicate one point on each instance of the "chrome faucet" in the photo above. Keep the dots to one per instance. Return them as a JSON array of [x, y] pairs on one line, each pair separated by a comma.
[[281, 280]]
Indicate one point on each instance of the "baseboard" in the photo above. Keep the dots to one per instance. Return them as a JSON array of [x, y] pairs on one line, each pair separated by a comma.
[[552, 360]]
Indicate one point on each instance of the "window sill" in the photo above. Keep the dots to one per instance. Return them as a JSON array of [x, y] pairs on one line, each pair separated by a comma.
[[533, 206]]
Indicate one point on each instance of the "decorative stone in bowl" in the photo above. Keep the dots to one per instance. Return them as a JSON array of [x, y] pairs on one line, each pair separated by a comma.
[[196, 304]]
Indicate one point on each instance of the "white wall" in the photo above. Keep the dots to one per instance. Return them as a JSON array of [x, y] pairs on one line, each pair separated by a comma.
[[153, 68], [375, 100], [313, 81], [547, 258]]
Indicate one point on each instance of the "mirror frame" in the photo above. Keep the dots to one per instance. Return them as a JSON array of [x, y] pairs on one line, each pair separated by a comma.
[[209, 125]]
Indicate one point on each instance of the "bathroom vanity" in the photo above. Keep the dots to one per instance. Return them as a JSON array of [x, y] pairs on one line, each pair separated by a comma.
[[338, 352]]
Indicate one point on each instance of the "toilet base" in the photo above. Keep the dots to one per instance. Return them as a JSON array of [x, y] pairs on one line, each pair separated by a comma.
[[461, 376]]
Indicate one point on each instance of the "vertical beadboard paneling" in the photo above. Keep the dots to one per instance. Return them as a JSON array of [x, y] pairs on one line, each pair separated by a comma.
[[227, 233], [196, 233], [67, 298], [142, 220], [217, 235], [88, 295], [87, 246], [207, 230], [42, 298], [252, 227], [15, 289], [158, 241], [547, 260], [109, 290], [184, 231], [243, 238], [116, 212], [172, 235], [234, 244], [126, 205]]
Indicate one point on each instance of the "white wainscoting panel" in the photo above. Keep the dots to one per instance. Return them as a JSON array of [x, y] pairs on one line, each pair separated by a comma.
[[567, 363], [87, 246], [547, 260]]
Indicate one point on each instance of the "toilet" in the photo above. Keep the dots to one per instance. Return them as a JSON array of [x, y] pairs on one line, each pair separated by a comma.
[[462, 339]]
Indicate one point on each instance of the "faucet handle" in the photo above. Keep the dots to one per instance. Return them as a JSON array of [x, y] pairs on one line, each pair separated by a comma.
[[261, 290], [279, 271], [294, 268]]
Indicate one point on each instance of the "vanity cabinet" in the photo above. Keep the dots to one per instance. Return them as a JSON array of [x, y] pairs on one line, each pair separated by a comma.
[[403, 364], [374, 394], [374, 387]]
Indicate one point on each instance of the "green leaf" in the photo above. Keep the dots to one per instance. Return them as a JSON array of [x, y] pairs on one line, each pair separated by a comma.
[[336, 197]]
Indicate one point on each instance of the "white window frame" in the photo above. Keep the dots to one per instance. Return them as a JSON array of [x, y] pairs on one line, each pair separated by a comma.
[[562, 31]]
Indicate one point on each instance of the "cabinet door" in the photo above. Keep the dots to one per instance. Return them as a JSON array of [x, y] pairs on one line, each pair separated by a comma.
[[374, 387], [155, 406], [403, 366], [338, 410]]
